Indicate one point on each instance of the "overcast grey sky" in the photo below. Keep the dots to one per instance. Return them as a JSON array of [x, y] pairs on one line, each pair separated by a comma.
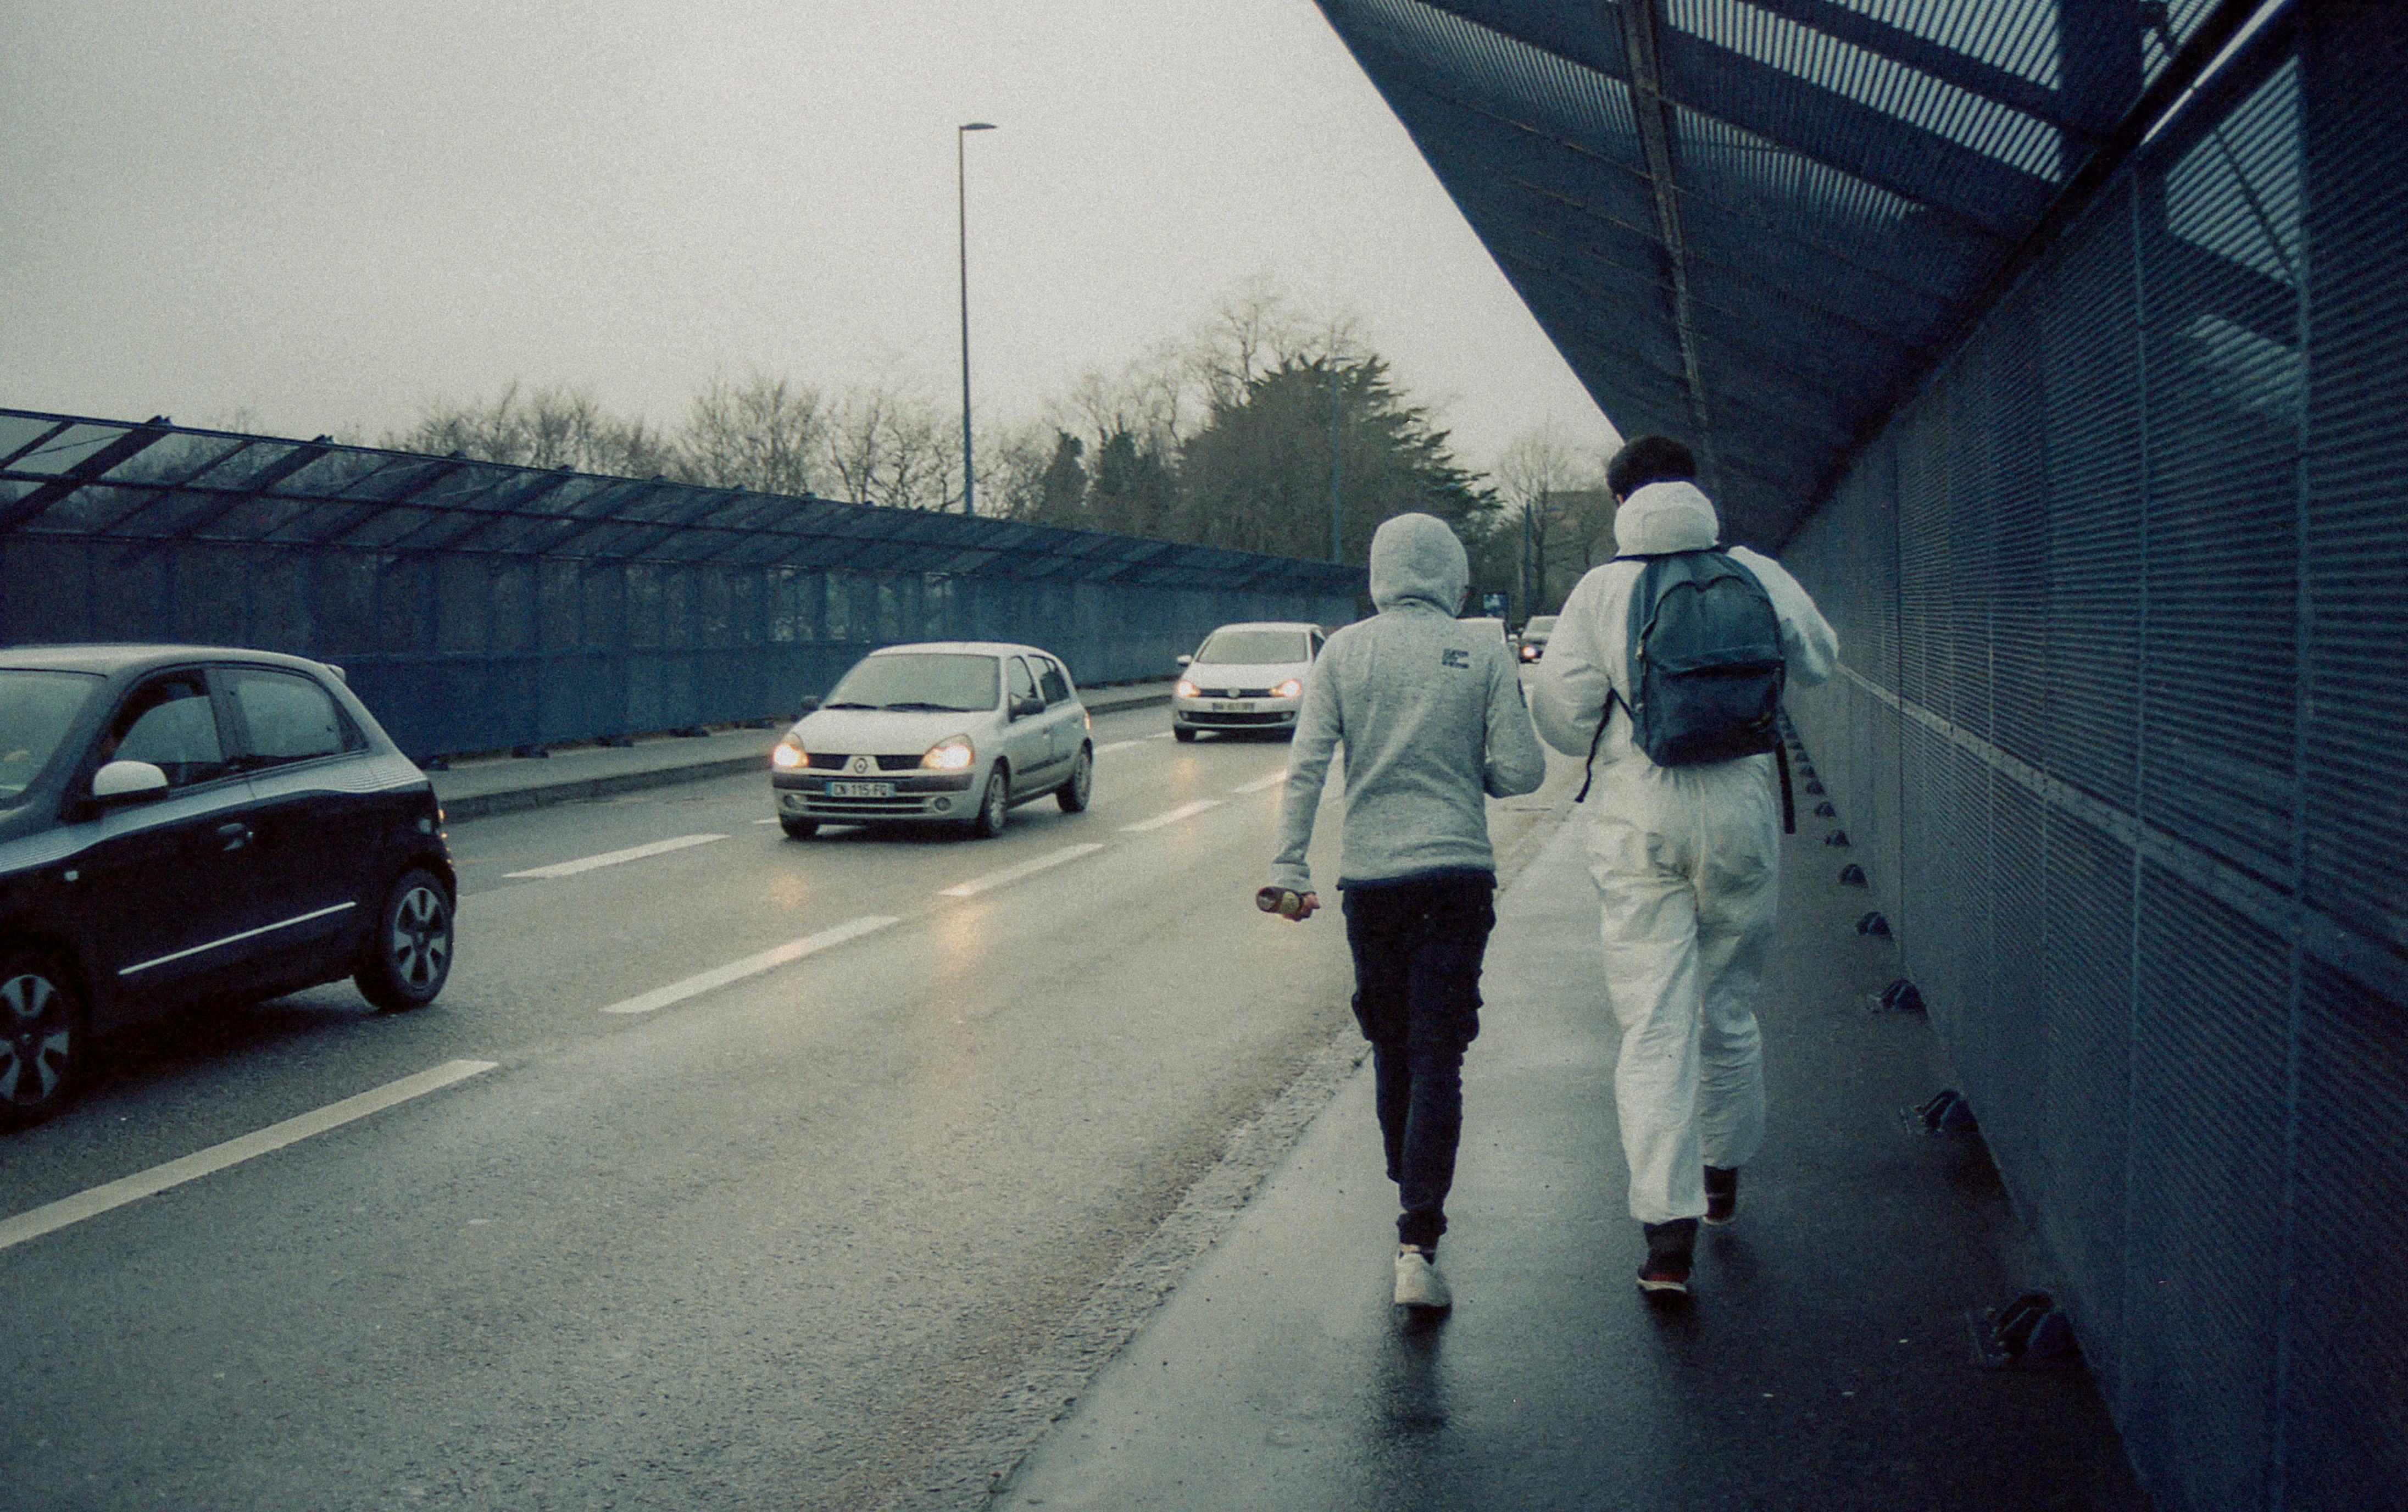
[[308, 217]]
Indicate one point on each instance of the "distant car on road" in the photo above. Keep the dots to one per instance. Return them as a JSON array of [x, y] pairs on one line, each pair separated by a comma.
[[1245, 680], [957, 731], [195, 823], [1532, 644]]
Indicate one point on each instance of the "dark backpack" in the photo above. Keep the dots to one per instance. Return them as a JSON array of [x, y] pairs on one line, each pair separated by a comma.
[[1706, 662]]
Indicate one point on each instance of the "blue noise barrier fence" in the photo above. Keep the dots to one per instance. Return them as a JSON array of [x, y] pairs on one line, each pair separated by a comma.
[[479, 607], [2122, 591]]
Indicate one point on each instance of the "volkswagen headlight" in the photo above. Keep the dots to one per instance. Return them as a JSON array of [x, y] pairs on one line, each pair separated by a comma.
[[1185, 689], [1292, 688]]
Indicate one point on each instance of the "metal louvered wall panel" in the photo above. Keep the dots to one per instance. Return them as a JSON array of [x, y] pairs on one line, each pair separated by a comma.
[[2343, 1421], [2205, 1207], [478, 606], [2356, 130], [2155, 875]]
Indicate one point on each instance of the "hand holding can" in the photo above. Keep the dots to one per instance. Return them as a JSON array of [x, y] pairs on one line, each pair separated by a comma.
[[1286, 902]]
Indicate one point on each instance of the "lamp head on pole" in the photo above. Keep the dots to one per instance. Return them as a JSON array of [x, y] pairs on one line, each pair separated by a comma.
[[976, 125]]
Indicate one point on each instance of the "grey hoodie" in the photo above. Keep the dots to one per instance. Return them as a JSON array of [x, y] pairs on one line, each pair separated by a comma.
[[1430, 710]]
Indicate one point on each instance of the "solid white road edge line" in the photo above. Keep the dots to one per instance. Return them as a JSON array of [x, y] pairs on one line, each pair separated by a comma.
[[1261, 783], [750, 965], [633, 853], [98, 1200], [1185, 811], [1014, 873]]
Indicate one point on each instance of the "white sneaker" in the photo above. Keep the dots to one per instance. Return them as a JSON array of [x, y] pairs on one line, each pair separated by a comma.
[[1418, 1283]]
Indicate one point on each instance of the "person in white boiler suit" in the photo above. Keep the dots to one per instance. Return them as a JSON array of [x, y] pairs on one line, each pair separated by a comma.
[[1687, 867]]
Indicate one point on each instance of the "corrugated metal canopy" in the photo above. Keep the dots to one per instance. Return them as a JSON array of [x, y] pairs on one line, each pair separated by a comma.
[[157, 482], [1754, 224]]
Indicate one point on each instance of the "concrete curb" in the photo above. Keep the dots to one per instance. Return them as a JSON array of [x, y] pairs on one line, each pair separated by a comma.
[[581, 790]]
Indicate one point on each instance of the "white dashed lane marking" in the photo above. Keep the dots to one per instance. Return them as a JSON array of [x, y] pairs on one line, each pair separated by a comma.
[[1185, 811], [1117, 745], [1026, 869], [633, 853], [98, 1200], [1261, 783], [750, 965]]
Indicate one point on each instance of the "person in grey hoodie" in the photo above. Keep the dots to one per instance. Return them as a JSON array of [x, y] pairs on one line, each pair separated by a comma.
[[1430, 711]]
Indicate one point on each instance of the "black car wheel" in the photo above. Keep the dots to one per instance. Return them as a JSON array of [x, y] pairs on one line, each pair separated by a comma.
[[1073, 794], [409, 955], [42, 1033], [994, 808], [799, 829]]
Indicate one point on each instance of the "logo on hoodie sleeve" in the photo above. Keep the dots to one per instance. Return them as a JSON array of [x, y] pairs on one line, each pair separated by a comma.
[[1451, 656]]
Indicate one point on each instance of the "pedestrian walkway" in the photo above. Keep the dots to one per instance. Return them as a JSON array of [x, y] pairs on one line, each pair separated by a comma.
[[473, 788], [1827, 1362]]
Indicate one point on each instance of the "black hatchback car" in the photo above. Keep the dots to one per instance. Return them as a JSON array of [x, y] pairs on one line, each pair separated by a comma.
[[187, 823]]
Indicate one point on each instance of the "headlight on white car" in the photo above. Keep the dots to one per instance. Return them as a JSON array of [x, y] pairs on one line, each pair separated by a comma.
[[952, 753], [787, 754], [1185, 689], [1289, 690]]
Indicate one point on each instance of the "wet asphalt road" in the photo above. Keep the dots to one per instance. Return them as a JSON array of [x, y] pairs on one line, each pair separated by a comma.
[[767, 1245]]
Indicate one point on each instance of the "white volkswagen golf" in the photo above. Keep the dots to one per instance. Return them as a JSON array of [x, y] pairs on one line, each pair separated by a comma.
[[1245, 679], [954, 731]]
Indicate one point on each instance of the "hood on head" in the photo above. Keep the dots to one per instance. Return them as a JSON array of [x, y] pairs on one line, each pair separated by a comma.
[[1416, 558], [1666, 517]]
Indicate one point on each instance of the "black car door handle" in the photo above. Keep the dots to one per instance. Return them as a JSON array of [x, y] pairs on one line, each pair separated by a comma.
[[236, 834]]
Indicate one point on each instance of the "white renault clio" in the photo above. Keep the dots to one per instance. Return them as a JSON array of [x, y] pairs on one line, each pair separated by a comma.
[[948, 731]]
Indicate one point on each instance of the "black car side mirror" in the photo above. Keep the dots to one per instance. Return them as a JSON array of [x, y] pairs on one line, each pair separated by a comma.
[[127, 782]]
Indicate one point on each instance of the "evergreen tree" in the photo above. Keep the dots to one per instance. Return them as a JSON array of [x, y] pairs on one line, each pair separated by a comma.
[[1311, 439], [1062, 490], [1133, 491]]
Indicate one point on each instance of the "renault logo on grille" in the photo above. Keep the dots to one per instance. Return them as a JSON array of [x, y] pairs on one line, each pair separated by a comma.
[[861, 763]]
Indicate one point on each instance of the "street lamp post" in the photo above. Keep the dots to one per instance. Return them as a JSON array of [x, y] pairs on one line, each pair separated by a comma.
[[962, 204]]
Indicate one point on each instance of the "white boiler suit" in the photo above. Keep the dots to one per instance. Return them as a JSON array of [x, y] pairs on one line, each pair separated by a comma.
[[1687, 867]]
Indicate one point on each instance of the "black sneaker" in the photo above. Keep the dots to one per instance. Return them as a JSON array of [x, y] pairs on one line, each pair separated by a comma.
[[1669, 1248], [1721, 1194]]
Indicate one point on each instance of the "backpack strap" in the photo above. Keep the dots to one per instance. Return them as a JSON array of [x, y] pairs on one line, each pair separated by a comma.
[[1589, 773], [1788, 804]]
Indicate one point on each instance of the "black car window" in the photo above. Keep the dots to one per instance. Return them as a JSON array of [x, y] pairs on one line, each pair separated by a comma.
[[169, 723], [36, 709], [1024, 686], [1057, 687], [289, 717]]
